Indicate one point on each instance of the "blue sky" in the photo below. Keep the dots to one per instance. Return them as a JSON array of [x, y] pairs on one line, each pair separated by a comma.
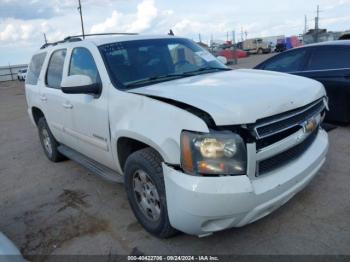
[[22, 23]]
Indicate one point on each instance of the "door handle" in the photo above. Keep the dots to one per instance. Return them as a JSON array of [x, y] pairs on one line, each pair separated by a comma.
[[67, 105], [43, 98]]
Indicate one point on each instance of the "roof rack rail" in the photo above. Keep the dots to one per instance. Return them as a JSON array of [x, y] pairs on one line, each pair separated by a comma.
[[97, 34], [76, 38]]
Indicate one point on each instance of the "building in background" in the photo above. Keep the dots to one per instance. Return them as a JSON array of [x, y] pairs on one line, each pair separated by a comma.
[[320, 35], [345, 35]]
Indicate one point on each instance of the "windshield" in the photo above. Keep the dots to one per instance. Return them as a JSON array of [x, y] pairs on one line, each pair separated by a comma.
[[143, 62]]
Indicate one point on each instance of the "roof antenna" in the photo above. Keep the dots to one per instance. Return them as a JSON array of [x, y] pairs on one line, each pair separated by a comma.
[[81, 19], [45, 38], [171, 32]]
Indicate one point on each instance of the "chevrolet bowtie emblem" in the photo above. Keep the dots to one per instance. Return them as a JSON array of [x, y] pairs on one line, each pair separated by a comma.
[[310, 125]]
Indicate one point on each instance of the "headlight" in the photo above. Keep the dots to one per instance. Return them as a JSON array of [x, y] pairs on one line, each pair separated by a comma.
[[219, 153]]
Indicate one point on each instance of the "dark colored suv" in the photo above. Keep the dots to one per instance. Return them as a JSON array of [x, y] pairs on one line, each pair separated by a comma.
[[327, 62]]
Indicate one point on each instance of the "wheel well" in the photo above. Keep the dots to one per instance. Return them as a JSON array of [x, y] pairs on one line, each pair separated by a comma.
[[37, 114], [126, 146]]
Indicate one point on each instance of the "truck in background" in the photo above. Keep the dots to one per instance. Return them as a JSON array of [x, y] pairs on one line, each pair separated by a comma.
[[255, 46], [287, 43]]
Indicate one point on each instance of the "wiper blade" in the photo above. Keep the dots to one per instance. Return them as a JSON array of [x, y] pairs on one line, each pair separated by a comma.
[[174, 76], [153, 79], [215, 68], [205, 69]]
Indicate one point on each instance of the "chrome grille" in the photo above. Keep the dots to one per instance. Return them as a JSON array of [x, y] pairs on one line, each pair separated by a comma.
[[271, 130], [272, 125], [285, 157]]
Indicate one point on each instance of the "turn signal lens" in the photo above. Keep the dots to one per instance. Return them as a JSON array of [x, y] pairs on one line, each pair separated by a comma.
[[210, 168], [186, 154]]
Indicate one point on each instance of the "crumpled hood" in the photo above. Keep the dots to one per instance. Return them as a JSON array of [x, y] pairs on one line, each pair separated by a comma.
[[239, 96]]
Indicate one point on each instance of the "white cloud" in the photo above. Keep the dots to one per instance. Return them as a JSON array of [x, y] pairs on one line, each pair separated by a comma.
[[331, 21], [192, 27], [109, 25], [16, 32], [27, 31], [138, 22], [9, 33], [146, 13]]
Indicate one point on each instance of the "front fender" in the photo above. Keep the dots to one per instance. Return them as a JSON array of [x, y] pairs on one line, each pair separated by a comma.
[[167, 149], [152, 122]]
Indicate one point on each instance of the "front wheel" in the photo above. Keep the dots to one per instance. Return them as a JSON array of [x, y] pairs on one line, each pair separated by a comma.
[[144, 185]]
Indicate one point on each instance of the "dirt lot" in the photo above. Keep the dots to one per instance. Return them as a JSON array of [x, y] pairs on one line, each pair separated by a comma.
[[59, 208], [252, 60]]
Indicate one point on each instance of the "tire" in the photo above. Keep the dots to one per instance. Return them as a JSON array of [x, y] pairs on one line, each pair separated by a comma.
[[260, 51], [48, 142], [143, 168]]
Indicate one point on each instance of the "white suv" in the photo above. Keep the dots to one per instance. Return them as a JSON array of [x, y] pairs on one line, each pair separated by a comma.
[[200, 147], [21, 75]]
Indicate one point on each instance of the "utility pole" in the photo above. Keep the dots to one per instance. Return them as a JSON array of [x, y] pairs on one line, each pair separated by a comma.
[[211, 42], [10, 71], [200, 38], [317, 19], [81, 19], [45, 38], [305, 25], [234, 46], [242, 34]]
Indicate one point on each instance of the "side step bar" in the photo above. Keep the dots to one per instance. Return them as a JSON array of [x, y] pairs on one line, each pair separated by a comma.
[[91, 165]]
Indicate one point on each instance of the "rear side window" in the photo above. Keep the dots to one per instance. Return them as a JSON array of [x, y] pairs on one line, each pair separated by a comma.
[[291, 61], [34, 68], [55, 69], [329, 57], [82, 63]]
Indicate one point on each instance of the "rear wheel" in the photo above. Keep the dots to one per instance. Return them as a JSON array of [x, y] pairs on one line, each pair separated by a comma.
[[260, 51], [48, 142], [144, 185]]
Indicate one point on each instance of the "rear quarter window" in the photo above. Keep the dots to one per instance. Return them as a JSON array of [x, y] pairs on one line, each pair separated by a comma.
[[55, 69], [35, 67], [329, 57], [290, 61]]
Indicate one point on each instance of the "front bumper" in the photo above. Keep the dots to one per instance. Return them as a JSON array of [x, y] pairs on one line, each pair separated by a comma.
[[201, 205]]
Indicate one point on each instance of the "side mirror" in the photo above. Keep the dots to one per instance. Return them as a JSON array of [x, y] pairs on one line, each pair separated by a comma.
[[80, 84], [222, 59]]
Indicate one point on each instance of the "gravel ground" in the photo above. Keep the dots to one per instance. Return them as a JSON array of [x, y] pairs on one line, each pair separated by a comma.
[[60, 208]]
